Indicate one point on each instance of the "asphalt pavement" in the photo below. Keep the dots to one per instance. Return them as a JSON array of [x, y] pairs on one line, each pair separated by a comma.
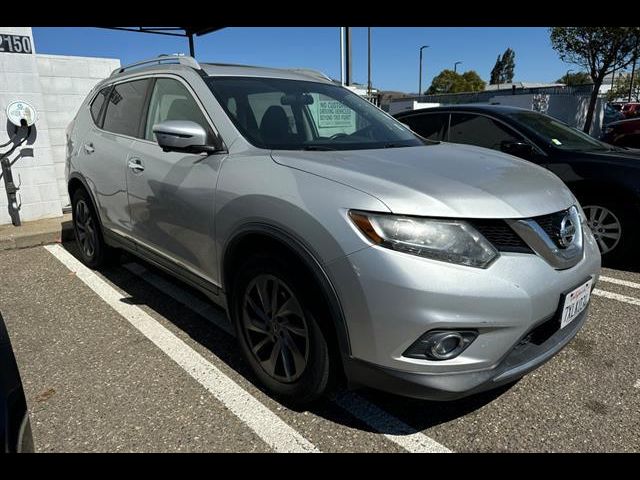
[[129, 359]]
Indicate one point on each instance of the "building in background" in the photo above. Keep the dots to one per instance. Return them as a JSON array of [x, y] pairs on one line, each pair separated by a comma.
[[55, 85]]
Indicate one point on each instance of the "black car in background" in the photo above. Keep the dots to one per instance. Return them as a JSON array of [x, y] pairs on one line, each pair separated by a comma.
[[604, 178], [15, 429]]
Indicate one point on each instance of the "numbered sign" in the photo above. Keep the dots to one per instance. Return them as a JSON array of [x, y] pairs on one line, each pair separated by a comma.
[[20, 110], [15, 44]]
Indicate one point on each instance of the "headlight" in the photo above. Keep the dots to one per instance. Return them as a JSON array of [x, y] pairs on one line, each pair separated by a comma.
[[453, 241]]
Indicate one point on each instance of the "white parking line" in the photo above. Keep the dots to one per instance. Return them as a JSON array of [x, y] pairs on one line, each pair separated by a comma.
[[617, 281], [266, 424], [637, 384], [405, 436], [617, 296]]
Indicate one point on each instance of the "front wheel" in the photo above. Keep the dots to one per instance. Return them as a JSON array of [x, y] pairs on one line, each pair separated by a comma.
[[613, 227], [276, 321]]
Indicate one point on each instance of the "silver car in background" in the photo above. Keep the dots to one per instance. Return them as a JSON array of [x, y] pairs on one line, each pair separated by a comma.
[[344, 248]]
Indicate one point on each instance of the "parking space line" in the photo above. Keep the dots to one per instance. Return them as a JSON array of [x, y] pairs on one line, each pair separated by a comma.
[[617, 281], [405, 436], [637, 384], [617, 296], [266, 424], [204, 309]]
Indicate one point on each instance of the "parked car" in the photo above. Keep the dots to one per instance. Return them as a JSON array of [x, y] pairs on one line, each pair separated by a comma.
[[625, 133], [611, 114], [15, 428], [603, 177], [342, 245], [631, 110]]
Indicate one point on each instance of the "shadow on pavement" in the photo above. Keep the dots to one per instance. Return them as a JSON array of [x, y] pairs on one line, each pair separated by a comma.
[[417, 414]]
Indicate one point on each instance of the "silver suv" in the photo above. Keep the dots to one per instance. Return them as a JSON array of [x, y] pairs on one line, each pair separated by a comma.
[[343, 246]]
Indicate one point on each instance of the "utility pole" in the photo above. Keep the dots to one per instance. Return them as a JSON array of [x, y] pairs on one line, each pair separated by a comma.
[[420, 76], [369, 62], [342, 56], [348, 56]]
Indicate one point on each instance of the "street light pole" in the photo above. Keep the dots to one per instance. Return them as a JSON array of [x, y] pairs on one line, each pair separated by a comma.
[[455, 67], [633, 70], [369, 62], [420, 76]]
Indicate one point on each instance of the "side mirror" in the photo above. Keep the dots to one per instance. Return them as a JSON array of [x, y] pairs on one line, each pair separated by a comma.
[[518, 149], [182, 136]]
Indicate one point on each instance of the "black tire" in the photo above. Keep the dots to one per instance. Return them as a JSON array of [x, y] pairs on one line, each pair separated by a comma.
[[94, 252], [601, 215], [288, 382]]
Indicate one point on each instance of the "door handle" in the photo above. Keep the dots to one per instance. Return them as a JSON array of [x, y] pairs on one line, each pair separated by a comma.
[[88, 147], [135, 165]]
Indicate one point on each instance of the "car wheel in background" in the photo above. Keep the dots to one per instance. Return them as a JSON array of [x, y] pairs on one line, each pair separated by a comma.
[[613, 228]]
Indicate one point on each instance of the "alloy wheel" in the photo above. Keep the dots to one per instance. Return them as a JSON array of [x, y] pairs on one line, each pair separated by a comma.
[[605, 226], [276, 328], [85, 229]]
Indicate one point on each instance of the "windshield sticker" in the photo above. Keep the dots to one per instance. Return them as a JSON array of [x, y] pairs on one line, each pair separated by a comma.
[[555, 141]]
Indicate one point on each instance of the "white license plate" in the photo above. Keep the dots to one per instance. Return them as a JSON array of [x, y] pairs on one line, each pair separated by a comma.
[[575, 302]]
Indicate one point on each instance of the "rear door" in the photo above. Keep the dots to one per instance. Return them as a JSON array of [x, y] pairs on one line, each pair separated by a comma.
[[171, 194], [106, 148]]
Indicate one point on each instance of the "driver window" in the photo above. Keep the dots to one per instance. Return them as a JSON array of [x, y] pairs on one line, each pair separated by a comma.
[[171, 100], [480, 131]]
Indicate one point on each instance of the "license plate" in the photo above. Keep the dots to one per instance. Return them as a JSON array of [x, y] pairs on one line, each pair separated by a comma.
[[575, 302]]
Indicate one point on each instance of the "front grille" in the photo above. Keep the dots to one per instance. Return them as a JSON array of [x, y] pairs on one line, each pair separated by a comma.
[[551, 225], [501, 236]]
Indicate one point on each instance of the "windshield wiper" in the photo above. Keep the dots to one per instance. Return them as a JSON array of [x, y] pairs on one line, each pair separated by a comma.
[[320, 148]]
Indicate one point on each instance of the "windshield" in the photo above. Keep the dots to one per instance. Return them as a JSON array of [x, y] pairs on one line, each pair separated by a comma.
[[284, 114], [556, 133]]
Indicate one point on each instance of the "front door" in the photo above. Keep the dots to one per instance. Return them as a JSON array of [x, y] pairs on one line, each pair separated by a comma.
[[171, 195]]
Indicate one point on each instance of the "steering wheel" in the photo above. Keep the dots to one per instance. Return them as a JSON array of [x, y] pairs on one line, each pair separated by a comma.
[[338, 135]]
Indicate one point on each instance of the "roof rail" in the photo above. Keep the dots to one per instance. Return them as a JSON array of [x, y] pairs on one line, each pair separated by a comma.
[[164, 58], [310, 72]]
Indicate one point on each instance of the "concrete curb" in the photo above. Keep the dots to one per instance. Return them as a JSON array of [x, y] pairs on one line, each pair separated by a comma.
[[39, 232]]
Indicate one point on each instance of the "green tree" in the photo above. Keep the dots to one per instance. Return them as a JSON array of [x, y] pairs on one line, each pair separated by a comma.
[[448, 81], [496, 72], [578, 78], [599, 50], [508, 65], [503, 70], [620, 90]]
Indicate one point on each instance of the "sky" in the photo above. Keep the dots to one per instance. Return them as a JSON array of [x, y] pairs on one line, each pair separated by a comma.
[[394, 50]]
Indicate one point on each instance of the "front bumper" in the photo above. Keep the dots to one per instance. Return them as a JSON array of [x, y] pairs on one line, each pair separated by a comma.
[[522, 359], [390, 299]]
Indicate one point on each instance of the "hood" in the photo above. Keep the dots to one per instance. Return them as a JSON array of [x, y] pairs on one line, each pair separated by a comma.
[[625, 157], [443, 180]]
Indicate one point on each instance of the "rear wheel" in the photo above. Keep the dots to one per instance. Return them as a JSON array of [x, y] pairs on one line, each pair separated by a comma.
[[93, 250], [276, 321]]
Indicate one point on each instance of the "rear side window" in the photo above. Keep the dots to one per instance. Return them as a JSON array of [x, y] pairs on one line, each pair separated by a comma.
[[480, 131], [98, 102], [170, 100], [124, 108], [429, 125]]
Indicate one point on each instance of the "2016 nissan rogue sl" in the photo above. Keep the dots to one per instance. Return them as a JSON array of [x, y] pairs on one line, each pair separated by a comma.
[[342, 245]]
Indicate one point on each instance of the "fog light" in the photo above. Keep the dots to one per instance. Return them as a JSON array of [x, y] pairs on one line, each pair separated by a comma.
[[441, 344]]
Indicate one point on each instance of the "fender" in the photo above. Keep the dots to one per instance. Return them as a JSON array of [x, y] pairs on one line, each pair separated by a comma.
[[306, 254]]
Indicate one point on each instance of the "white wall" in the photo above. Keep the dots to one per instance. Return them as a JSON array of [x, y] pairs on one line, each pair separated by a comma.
[[65, 82], [567, 108], [55, 85], [33, 171]]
